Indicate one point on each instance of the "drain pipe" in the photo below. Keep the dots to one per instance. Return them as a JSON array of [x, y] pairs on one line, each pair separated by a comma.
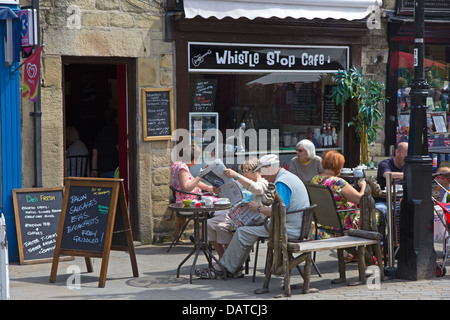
[[37, 113]]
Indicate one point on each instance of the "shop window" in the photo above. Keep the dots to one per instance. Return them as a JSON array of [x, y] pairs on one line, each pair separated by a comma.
[[296, 105], [437, 73]]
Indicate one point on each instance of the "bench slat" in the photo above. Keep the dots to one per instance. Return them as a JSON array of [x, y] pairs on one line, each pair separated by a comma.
[[331, 243]]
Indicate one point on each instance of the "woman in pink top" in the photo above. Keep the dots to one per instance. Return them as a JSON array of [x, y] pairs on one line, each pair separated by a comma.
[[182, 179]]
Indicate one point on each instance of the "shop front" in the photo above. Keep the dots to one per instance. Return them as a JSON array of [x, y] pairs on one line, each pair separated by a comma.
[[401, 72], [263, 98], [250, 87]]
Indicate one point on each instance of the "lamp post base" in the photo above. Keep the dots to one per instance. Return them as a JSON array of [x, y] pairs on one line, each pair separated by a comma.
[[416, 255]]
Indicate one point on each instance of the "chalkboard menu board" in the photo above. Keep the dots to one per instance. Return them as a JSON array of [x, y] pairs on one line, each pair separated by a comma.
[[37, 212], [157, 113], [304, 105], [331, 112], [205, 95], [86, 218], [94, 220]]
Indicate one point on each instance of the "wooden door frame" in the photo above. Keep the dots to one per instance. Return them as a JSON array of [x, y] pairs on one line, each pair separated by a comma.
[[131, 99]]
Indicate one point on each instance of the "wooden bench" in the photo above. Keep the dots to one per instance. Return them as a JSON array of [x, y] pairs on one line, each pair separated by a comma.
[[358, 239], [281, 260]]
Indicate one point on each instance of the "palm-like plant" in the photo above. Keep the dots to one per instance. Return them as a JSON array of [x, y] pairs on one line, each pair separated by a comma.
[[368, 96]]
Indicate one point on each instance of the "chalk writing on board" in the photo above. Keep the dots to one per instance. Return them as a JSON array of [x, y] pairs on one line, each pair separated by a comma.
[[331, 111], [205, 95], [37, 239], [37, 217], [86, 218], [158, 113]]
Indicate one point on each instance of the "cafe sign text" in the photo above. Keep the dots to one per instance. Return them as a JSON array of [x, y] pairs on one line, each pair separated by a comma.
[[211, 57]]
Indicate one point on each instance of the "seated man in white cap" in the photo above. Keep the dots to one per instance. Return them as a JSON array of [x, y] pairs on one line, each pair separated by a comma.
[[293, 194]]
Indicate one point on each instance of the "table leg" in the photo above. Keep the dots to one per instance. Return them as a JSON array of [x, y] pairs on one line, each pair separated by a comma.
[[197, 242], [206, 248], [200, 243]]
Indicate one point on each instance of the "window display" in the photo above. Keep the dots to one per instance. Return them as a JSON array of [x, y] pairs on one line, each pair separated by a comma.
[[297, 105], [437, 75]]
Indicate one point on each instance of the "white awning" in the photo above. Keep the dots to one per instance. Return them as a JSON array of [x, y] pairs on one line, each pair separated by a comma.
[[251, 9]]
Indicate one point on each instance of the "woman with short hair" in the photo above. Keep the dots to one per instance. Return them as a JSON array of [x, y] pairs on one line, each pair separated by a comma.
[[306, 164]]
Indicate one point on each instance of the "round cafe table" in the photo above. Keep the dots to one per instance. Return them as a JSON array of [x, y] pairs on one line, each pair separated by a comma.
[[200, 217]]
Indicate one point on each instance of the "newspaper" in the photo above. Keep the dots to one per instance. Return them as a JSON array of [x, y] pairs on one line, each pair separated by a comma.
[[229, 188], [241, 215]]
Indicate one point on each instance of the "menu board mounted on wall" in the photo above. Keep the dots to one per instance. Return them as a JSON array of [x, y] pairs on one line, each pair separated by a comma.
[[205, 95], [37, 212], [331, 111], [94, 220], [157, 110]]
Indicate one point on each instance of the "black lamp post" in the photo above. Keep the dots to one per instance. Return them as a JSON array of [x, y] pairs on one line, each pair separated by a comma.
[[416, 255]]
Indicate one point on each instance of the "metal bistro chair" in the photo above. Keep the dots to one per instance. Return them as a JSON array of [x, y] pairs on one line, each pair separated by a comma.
[[77, 166], [326, 214], [189, 218]]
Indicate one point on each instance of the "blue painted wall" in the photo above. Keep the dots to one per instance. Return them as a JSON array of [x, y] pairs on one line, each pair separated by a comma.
[[11, 159]]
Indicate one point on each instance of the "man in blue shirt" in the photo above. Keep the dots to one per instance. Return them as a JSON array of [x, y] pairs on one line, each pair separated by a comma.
[[295, 197], [395, 167]]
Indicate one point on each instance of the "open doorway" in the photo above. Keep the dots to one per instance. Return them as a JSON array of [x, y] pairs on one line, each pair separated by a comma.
[[98, 107]]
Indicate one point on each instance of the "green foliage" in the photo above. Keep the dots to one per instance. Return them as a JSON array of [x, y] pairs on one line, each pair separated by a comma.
[[368, 96]]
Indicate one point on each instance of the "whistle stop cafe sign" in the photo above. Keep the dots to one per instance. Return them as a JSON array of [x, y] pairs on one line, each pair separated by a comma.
[[209, 57]]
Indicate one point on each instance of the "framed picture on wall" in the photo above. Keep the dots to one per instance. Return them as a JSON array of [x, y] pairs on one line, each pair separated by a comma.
[[439, 123]]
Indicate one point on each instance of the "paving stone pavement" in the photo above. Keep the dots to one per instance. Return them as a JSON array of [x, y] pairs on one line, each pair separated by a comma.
[[157, 281]]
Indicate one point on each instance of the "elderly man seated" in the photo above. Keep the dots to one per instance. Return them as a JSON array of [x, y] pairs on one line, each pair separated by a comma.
[[393, 165], [293, 194]]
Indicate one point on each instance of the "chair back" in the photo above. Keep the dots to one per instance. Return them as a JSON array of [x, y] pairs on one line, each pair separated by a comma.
[[77, 166], [174, 190], [326, 213], [307, 219], [308, 216]]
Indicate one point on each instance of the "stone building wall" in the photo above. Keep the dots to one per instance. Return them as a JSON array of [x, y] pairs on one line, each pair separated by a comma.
[[375, 61], [103, 28]]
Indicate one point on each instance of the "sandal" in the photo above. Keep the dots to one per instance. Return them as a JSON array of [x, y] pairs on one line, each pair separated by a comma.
[[209, 273]]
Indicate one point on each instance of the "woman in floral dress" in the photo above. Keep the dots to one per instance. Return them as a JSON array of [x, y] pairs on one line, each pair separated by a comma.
[[345, 196]]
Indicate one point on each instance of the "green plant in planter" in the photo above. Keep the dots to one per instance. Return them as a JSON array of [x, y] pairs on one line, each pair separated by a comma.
[[367, 96]]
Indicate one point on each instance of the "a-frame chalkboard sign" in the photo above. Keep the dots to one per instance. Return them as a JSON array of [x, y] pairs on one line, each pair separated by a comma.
[[94, 220], [37, 214]]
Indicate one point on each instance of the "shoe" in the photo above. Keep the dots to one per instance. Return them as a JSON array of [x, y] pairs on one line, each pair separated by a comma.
[[209, 273], [350, 259]]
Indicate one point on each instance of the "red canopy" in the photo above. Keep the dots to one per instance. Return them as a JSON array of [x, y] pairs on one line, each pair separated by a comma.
[[406, 60]]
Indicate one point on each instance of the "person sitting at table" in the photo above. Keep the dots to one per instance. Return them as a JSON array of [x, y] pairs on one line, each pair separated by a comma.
[[182, 179], [306, 164], [293, 194], [345, 196], [219, 227], [393, 165], [444, 180]]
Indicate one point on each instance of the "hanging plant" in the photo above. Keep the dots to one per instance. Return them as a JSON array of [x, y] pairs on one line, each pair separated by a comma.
[[368, 96]]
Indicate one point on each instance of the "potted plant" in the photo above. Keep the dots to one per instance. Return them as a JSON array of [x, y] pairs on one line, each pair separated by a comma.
[[367, 95]]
